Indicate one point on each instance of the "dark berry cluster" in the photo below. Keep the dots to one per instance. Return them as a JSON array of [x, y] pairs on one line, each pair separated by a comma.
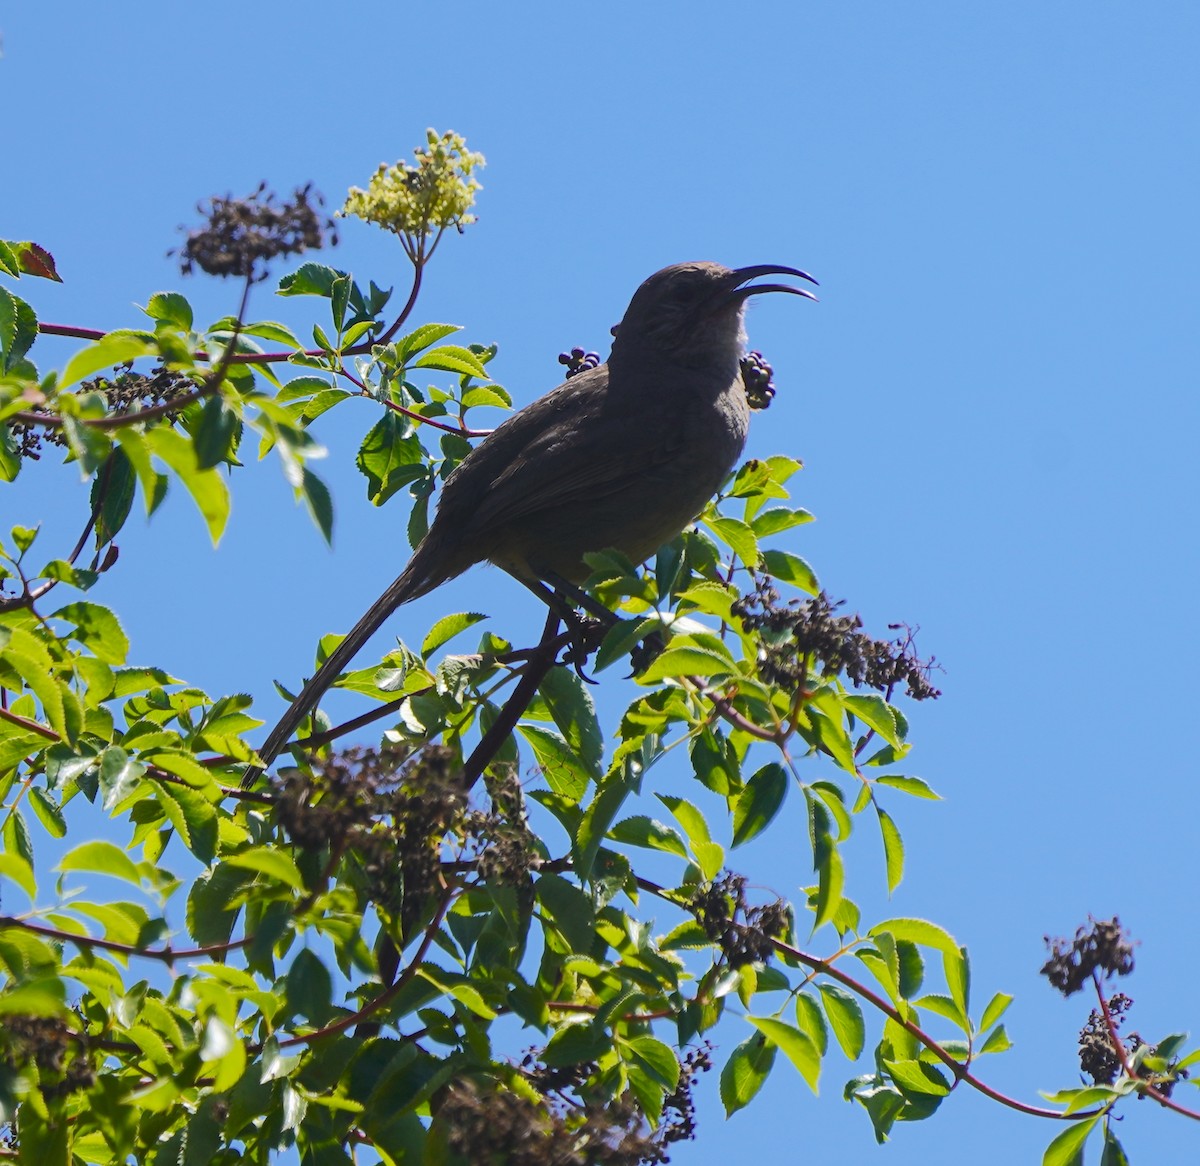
[[805, 638], [1097, 1057], [483, 1123], [743, 932], [503, 846], [59, 1052], [388, 810], [125, 391], [578, 361], [242, 235], [758, 378], [679, 1107], [392, 813], [1100, 946]]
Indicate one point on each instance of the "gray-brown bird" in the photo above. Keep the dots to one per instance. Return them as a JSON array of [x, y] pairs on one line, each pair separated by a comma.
[[623, 455]]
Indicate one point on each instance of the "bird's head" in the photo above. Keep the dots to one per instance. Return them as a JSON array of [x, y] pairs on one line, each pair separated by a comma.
[[691, 313]]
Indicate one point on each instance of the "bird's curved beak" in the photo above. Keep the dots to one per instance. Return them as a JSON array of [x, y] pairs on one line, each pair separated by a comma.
[[733, 289]]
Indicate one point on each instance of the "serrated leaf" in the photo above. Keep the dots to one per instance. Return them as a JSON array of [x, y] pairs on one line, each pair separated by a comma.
[[876, 713], [994, 1010], [97, 629], [757, 804], [447, 628], [170, 308], [845, 1018], [789, 568], [114, 348], [1067, 1148], [910, 785], [422, 337], [206, 486], [686, 661], [919, 931], [797, 1046], [102, 858], [745, 1071], [268, 861], [644, 831], [564, 771], [318, 501], [452, 358], [893, 849]]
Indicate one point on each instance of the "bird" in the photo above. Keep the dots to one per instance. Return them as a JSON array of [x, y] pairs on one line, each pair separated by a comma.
[[622, 455]]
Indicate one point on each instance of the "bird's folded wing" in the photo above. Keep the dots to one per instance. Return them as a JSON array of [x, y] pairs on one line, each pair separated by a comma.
[[586, 466]]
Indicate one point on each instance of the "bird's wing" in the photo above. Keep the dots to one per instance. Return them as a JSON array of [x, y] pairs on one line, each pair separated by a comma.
[[558, 451]]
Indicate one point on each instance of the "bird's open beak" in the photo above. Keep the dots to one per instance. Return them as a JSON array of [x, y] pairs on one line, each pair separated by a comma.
[[733, 289]]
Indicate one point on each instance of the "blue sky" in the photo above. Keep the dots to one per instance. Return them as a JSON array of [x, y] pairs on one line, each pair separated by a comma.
[[995, 400]]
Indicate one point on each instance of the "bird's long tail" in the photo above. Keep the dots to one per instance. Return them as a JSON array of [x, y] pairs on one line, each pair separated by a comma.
[[414, 581]]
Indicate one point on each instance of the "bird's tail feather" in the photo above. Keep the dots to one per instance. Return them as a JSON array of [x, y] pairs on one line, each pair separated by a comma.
[[414, 581]]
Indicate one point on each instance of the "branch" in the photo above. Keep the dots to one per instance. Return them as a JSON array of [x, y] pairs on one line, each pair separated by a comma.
[[534, 673], [167, 955]]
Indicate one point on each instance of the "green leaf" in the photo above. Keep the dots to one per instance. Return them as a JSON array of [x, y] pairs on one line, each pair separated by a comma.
[[958, 977], [452, 358], [18, 329], [575, 1043], [48, 812], [570, 911], [574, 712], [808, 1013], [994, 1010], [745, 1071], [447, 628], [919, 931], [97, 629], [102, 858], [687, 661], [655, 1057], [112, 495], [779, 519], [876, 713], [15, 867], [214, 434], [845, 1018], [564, 771], [421, 338], [1067, 1148], [114, 348], [759, 802], [997, 1041], [910, 785], [310, 279], [791, 569], [1114, 1153], [916, 1077], [318, 501], [827, 862], [273, 331], [390, 457], [206, 486], [736, 535], [797, 1046], [270, 862], [644, 831], [893, 849], [170, 308]]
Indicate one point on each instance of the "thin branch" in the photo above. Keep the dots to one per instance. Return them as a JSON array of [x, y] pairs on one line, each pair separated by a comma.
[[166, 955], [386, 996], [534, 673]]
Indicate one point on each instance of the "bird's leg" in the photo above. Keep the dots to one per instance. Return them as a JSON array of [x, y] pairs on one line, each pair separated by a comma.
[[586, 633]]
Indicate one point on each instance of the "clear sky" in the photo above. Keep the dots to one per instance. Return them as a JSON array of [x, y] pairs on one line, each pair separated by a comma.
[[996, 399]]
